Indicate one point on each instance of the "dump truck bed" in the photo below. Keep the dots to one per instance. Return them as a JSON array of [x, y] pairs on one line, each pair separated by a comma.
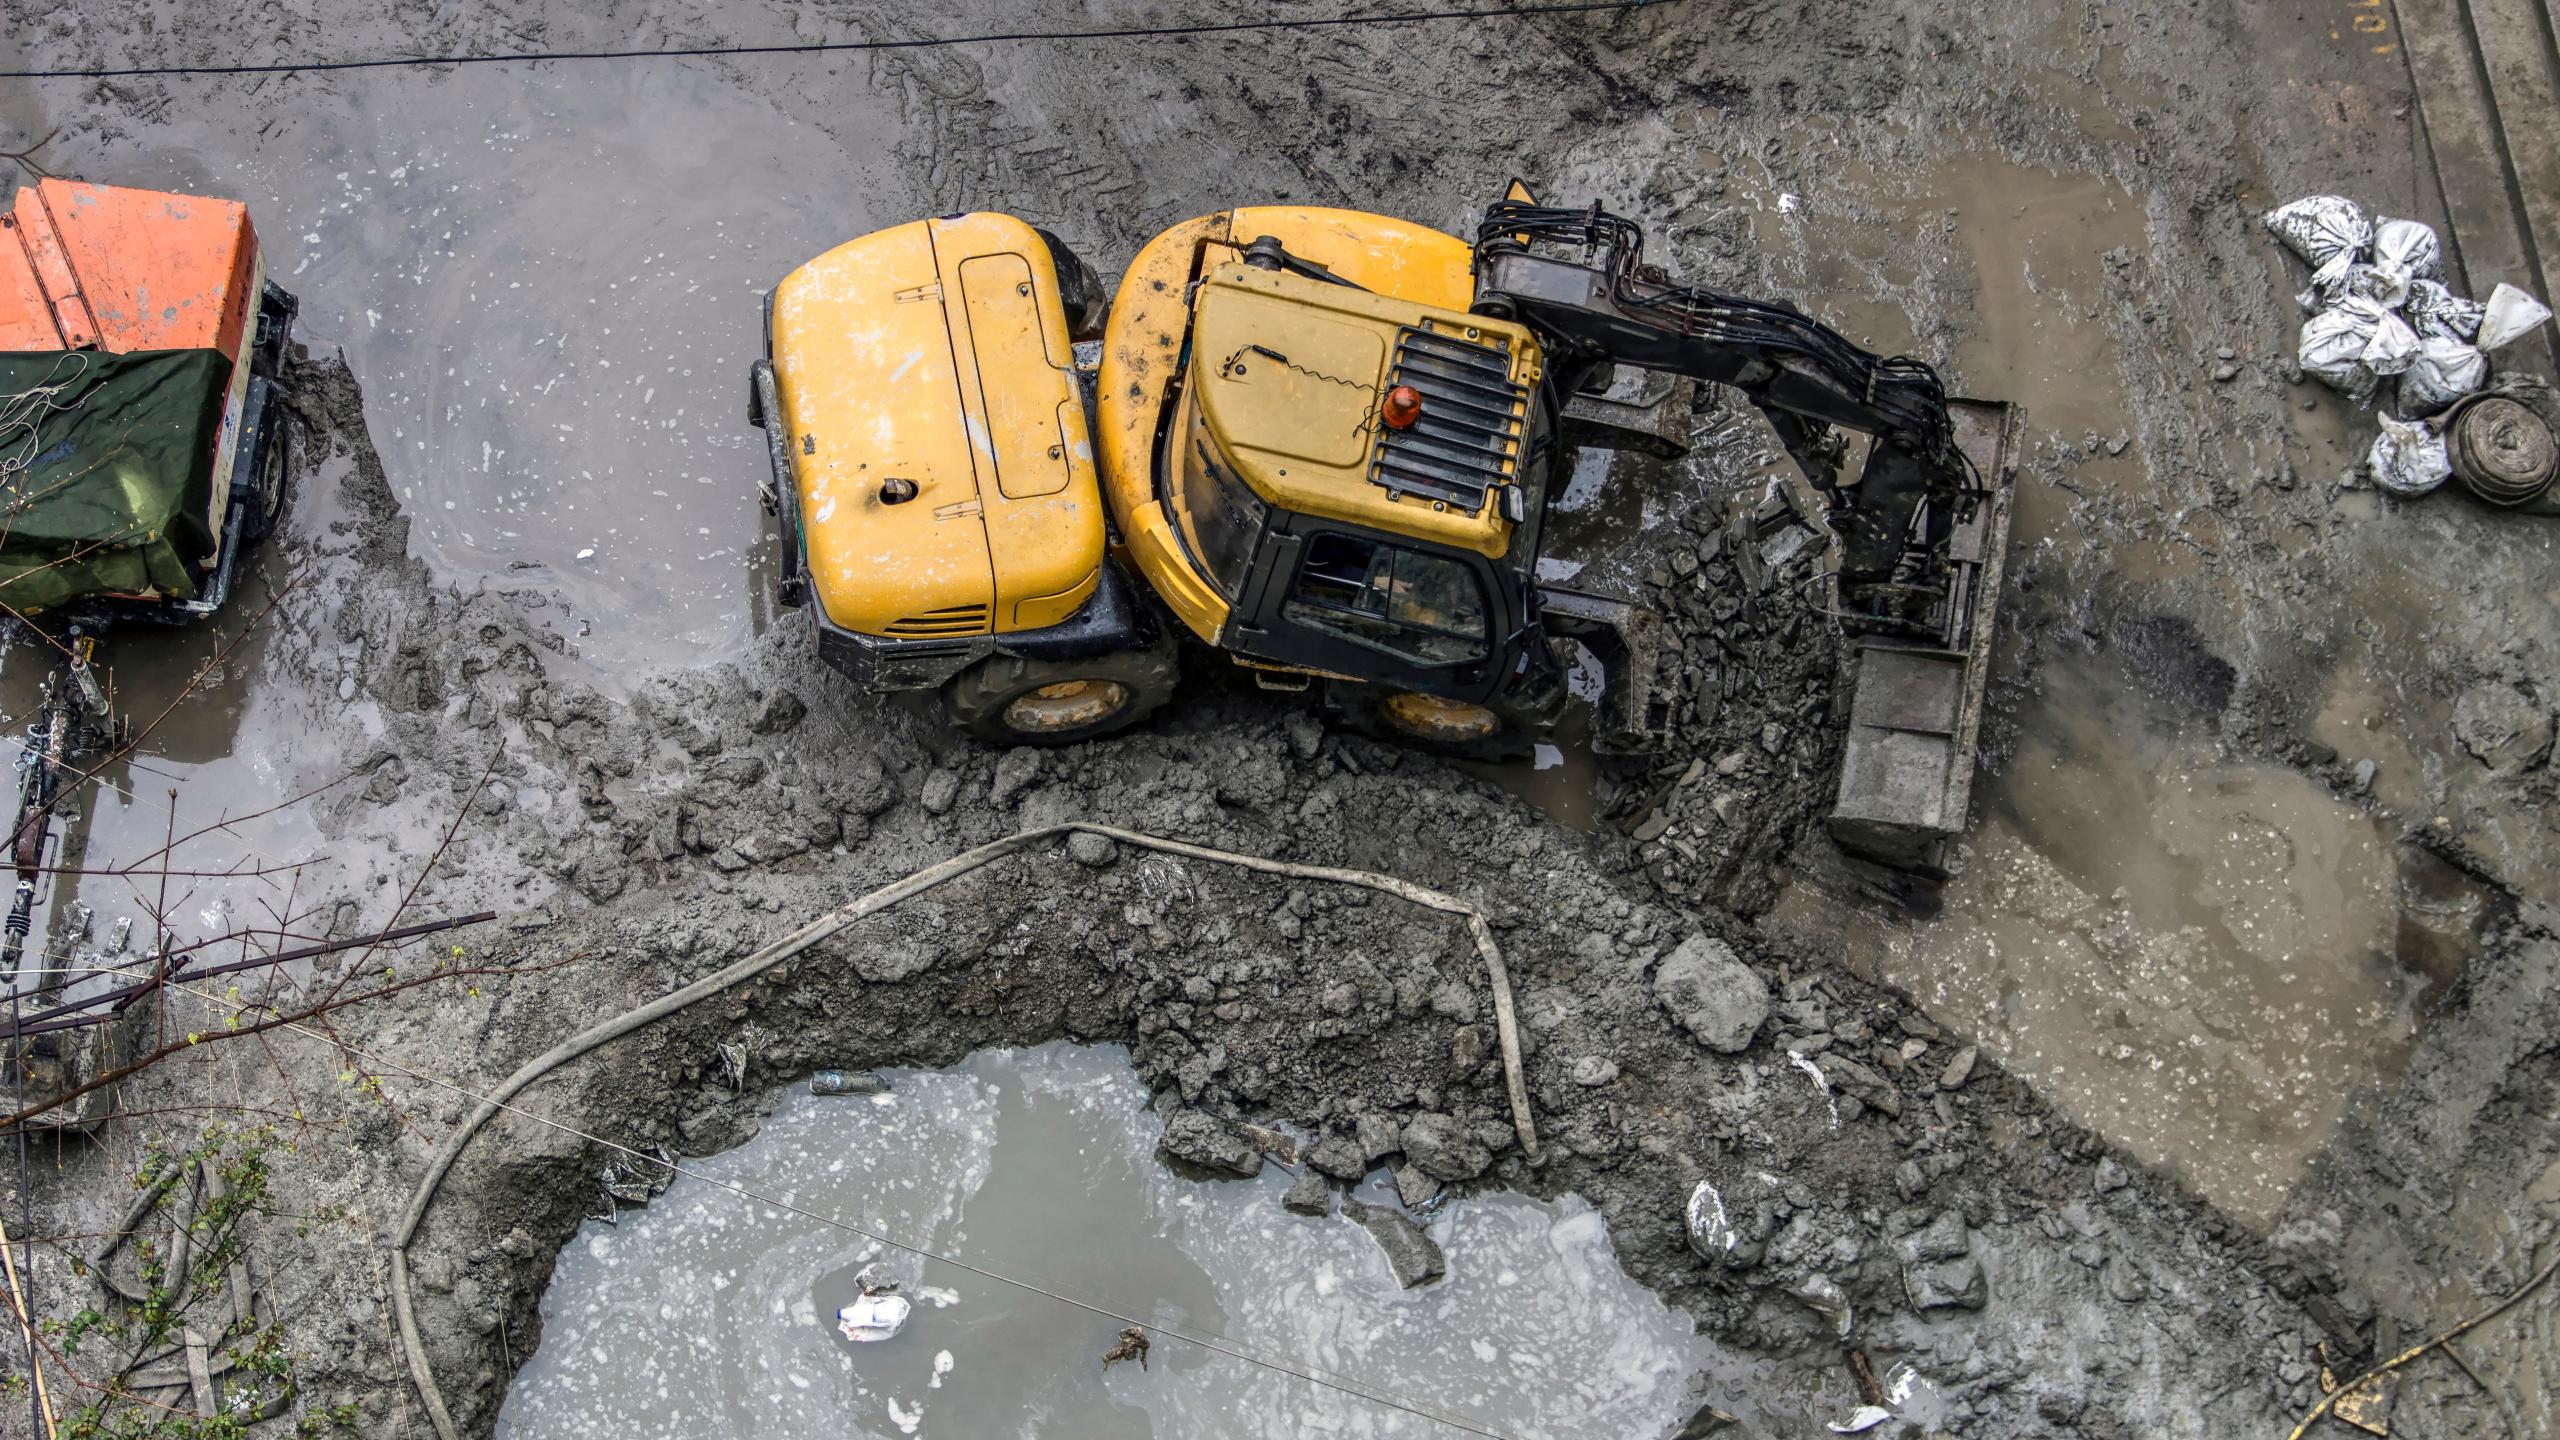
[[129, 320]]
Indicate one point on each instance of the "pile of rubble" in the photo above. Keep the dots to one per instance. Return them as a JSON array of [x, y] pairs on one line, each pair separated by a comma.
[[2384, 329]]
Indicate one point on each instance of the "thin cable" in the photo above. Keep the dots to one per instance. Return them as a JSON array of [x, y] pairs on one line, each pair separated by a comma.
[[1206, 1339], [829, 47]]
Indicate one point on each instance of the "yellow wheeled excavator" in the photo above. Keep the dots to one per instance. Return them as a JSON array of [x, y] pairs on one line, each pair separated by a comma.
[[1323, 443]]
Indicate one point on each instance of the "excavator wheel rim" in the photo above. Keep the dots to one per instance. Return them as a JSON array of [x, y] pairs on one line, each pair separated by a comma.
[[1449, 722], [1066, 705]]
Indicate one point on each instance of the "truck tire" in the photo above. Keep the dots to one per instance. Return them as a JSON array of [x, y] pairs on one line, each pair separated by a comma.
[[1455, 729], [1012, 701], [274, 478]]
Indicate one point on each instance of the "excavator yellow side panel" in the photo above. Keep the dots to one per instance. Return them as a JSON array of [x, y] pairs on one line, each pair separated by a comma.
[[1142, 352], [936, 354]]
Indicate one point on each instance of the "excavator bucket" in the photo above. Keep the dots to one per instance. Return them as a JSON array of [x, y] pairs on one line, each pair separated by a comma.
[[1915, 711]]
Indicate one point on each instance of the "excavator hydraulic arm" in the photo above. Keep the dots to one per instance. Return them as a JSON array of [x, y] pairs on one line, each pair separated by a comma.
[[1920, 529], [1578, 278]]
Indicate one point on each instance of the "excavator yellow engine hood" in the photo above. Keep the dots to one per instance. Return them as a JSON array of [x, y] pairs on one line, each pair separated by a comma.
[[936, 434]]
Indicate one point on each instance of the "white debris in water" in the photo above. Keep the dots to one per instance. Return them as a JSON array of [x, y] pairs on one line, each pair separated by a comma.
[[942, 1363]]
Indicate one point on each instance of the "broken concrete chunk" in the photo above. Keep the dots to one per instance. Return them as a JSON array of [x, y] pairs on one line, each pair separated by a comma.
[[1196, 1138], [1377, 1137], [1015, 773], [1444, 1149], [1943, 1238], [1719, 1000], [1339, 1158], [1946, 1284], [1959, 1069], [1851, 1078], [1411, 1255], [1308, 1195], [940, 788], [776, 712], [1415, 1186]]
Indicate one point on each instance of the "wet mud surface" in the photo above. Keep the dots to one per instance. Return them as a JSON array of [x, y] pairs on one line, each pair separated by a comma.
[[2218, 1042]]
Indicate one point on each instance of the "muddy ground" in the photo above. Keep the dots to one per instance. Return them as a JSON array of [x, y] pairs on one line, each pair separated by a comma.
[[2265, 1035]]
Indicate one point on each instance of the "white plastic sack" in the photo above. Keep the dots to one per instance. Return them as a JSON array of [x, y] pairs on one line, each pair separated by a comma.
[[2319, 227], [2338, 347], [2434, 310], [2408, 457], [2328, 282], [2394, 346], [873, 1317], [2406, 250], [2446, 370], [2509, 316]]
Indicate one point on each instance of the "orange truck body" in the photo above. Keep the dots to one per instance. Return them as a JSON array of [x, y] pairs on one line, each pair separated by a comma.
[[99, 267]]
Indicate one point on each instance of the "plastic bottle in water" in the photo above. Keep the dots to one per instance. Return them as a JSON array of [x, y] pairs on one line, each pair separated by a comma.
[[848, 1082]]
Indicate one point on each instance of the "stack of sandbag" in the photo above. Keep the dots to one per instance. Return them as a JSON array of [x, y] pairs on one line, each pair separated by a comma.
[[2384, 330]]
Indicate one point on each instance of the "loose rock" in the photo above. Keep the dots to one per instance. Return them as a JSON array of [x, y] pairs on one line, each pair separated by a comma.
[[1719, 1000], [1196, 1138], [1412, 1255]]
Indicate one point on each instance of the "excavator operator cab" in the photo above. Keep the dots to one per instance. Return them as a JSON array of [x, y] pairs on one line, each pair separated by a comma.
[[1354, 477]]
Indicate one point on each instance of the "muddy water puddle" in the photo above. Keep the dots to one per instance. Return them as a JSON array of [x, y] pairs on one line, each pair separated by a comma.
[[707, 1314], [549, 284], [2200, 957]]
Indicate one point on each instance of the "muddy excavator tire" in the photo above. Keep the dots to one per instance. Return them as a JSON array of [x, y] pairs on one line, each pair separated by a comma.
[[1009, 700], [274, 479], [1451, 728]]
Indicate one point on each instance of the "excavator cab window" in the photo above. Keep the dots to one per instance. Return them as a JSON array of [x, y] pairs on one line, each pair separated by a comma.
[[1224, 518], [1421, 608]]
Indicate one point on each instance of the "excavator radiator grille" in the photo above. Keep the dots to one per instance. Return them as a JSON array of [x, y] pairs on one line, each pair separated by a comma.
[[957, 620], [1467, 440]]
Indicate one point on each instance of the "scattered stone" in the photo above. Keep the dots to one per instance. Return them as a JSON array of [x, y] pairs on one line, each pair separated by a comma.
[[1306, 735], [2126, 1283], [1197, 1138], [1959, 1068], [1308, 1195], [1466, 1049], [1851, 1078], [1594, 1071], [1444, 1148], [938, 791], [1411, 1254], [2226, 372], [1712, 1235], [1414, 1186], [776, 713], [1943, 1238], [1909, 1180], [1338, 1157], [1719, 1000], [1377, 1137], [1092, 851], [1016, 772], [2110, 1176], [2366, 770], [1946, 1284]]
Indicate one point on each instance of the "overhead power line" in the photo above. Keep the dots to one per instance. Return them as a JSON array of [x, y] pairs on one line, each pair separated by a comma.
[[836, 47]]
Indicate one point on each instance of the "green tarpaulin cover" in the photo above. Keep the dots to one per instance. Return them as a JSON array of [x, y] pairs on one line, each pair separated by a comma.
[[106, 472]]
